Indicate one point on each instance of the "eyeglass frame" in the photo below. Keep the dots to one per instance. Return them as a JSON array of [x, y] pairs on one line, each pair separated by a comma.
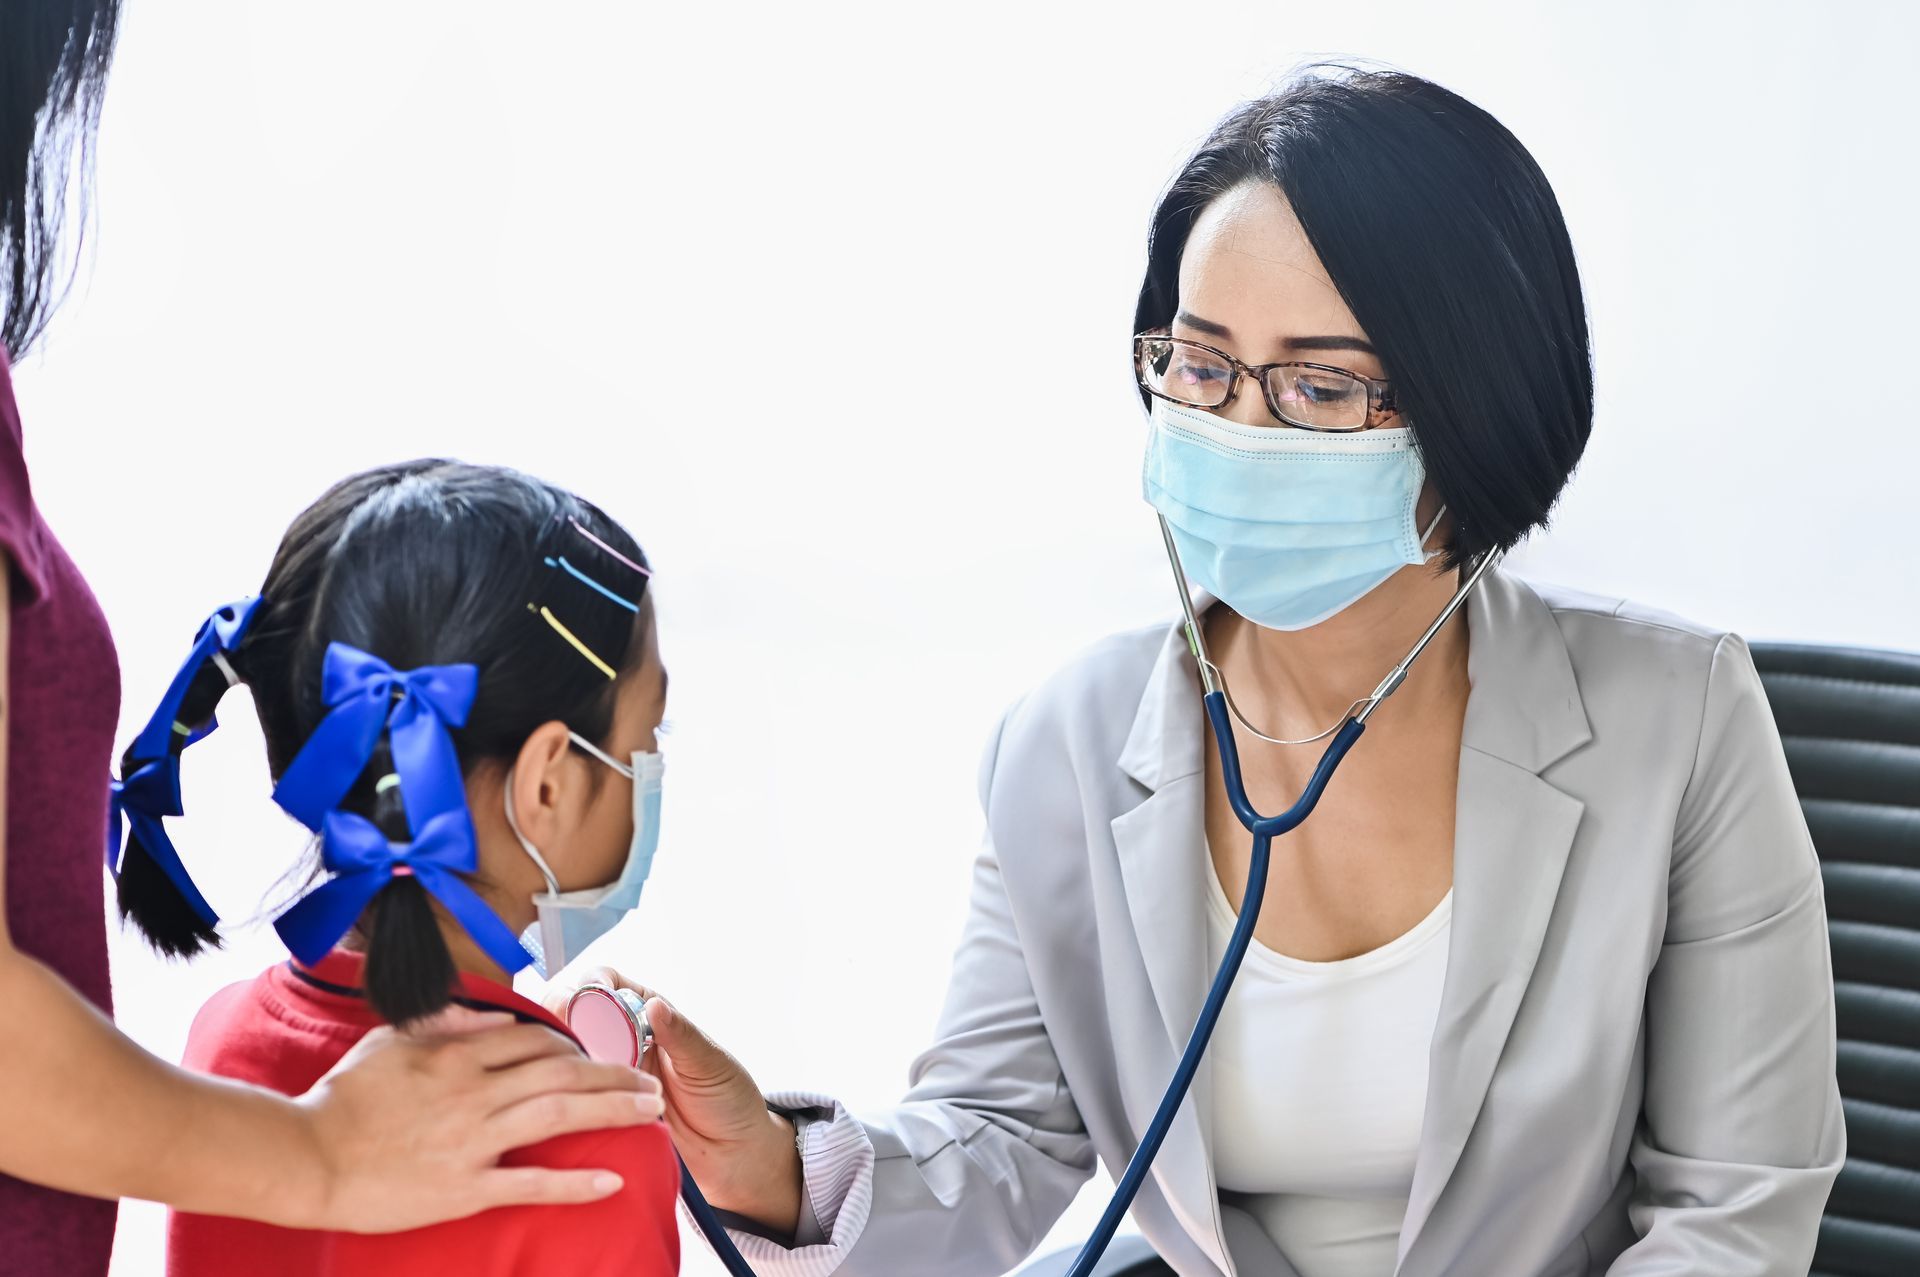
[[1380, 399]]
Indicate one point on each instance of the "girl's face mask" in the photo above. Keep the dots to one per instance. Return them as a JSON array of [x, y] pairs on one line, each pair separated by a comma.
[[569, 921]]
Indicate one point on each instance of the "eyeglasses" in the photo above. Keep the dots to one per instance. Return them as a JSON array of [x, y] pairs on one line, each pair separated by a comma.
[[1310, 396]]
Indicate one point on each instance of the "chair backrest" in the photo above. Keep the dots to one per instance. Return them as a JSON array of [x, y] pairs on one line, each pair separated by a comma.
[[1850, 720]]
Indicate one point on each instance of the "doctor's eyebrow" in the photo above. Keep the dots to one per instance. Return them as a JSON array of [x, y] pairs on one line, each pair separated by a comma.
[[1325, 342]]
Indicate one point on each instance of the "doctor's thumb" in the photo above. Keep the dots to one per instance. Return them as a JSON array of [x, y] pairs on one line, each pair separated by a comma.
[[696, 1058]]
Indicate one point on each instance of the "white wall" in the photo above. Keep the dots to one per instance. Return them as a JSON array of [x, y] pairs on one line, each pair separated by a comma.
[[336, 234]]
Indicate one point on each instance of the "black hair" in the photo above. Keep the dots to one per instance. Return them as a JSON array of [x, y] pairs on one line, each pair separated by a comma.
[[53, 65], [428, 562], [1448, 246]]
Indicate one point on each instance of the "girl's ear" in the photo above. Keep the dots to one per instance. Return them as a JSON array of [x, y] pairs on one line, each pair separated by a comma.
[[541, 780]]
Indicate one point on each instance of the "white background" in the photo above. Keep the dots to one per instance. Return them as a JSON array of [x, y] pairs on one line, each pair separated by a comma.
[[336, 234]]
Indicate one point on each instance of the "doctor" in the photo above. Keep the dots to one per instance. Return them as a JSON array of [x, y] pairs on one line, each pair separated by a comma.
[[1542, 988]]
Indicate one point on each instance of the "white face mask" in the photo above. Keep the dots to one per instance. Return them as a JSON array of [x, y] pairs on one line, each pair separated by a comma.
[[569, 921]]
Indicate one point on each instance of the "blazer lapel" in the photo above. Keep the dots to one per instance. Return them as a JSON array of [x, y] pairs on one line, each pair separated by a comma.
[[1161, 846], [1512, 833]]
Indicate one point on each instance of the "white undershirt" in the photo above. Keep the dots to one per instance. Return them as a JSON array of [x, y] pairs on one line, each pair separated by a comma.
[[1319, 1085]]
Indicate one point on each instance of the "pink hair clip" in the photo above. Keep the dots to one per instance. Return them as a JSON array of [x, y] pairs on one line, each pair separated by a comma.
[[581, 529]]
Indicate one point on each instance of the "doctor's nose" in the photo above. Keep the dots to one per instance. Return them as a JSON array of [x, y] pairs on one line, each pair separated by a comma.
[[1248, 407]]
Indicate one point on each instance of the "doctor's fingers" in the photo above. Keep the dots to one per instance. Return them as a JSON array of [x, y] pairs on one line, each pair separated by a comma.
[[564, 986], [691, 1057]]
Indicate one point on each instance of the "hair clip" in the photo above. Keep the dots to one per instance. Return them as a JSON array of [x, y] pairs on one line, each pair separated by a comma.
[[582, 530], [547, 615], [588, 581]]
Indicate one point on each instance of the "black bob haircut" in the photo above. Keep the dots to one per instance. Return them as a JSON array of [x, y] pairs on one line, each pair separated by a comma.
[[1448, 246], [427, 562]]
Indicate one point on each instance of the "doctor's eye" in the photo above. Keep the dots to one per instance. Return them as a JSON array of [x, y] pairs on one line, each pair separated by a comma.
[[1320, 388], [1183, 371]]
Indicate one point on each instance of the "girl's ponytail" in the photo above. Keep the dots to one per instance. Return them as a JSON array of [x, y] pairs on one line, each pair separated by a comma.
[[152, 883], [409, 974]]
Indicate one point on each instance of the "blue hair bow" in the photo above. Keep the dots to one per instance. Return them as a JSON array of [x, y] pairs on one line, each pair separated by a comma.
[[363, 861], [359, 689], [221, 632], [152, 792], [142, 799]]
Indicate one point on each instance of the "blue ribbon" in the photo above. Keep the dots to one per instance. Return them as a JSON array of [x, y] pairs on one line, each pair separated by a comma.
[[142, 799], [363, 861], [221, 632], [359, 689], [152, 793]]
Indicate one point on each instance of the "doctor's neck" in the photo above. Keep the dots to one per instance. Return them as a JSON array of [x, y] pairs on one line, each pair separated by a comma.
[[1304, 680]]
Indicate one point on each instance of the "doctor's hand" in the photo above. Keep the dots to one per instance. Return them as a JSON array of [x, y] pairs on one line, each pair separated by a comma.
[[741, 1154]]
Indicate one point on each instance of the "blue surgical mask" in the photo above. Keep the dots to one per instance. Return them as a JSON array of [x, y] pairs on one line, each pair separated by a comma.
[[1284, 526], [569, 921]]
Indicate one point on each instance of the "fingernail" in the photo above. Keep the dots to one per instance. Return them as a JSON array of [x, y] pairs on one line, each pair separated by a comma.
[[650, 1105], [607, 1183]]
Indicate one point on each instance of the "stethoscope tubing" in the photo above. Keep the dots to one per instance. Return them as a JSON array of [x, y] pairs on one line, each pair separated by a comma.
[[1264, 829]]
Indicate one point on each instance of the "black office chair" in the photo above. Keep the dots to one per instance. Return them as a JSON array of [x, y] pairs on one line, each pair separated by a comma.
[[1851, 723]]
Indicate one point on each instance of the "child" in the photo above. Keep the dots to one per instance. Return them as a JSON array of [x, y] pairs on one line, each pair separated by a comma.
[[451, 665]]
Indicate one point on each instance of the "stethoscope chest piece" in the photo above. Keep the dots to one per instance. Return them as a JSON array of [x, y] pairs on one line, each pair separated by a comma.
[[610, 1023]]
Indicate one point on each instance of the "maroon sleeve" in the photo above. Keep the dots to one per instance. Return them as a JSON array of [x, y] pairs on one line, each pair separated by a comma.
[[19, 537]]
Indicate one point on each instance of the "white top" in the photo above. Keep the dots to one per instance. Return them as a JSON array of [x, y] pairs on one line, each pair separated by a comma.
[[1319, 1085]]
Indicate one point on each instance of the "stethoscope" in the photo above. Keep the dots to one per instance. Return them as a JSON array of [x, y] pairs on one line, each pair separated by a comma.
[[611, 1024]]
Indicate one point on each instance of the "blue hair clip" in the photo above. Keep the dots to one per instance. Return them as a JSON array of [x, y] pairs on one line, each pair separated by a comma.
[[363, 861], [151, 792], [365, 694]]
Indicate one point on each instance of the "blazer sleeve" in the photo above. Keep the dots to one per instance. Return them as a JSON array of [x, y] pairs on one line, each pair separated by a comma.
[[965, 1176], [1741, 1133]]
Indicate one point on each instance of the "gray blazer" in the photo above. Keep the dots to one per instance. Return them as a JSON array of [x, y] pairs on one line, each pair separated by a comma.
[[1632, 1070]]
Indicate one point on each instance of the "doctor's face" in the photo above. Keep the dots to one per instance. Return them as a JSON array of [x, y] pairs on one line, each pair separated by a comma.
[[1251, 285]]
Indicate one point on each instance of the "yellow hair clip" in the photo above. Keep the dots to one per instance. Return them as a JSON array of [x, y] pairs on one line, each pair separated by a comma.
[[574, 639]]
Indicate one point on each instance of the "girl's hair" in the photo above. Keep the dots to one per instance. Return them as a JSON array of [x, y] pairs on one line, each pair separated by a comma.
[[1448, 246], [53, 66], [425, 563]]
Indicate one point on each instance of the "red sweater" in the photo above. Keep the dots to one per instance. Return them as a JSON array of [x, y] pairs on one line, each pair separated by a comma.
[[287, 1027]]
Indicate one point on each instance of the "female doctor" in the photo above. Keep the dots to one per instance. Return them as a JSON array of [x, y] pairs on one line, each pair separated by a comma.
[[1541, 988]]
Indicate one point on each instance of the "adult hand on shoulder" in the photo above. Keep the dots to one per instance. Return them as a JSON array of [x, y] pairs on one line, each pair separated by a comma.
[[410, 1126], [740, 1153]]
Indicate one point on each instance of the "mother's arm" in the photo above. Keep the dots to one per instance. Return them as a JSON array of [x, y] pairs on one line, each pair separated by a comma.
[[1742, 1133], [404, 1133]]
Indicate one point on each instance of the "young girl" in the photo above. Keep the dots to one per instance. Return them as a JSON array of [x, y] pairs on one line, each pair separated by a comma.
[[456, 672]]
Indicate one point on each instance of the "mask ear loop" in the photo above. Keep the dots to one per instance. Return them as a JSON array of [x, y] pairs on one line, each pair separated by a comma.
[[1438, 515], [601, 754], [526, 845]]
